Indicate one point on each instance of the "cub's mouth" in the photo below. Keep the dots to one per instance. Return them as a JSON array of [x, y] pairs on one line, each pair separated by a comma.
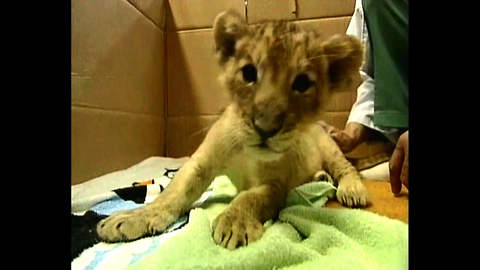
[[262, 145], [278, 143]]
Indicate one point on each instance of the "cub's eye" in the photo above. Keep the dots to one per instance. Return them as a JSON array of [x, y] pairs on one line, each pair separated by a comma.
[[249, 73], [301, 83]]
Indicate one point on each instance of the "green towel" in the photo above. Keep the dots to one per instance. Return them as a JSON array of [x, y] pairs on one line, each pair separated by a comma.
[[304, 237], [314, 194]]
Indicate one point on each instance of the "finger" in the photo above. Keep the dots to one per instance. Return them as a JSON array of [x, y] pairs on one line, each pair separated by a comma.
[[396, 163], [342, 140], [404, 174], [403, 140], [337, 137]]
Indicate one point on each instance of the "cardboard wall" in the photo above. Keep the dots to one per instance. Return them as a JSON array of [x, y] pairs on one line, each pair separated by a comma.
[[144, 76], [118, 85]]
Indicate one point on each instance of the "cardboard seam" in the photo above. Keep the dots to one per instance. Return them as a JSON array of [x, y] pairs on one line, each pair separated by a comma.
[[195, 115], [199, 29], [165, 85], [198, 115], [145, 16], [84, 76], [94, 107], [338, 112], [324, 18], [245, 10]]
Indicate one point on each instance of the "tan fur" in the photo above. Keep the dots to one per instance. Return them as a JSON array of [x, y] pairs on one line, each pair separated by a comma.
[[264, 170]]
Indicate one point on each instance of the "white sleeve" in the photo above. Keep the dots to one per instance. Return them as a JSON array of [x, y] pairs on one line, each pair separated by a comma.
[[355, 26], [362, 109]]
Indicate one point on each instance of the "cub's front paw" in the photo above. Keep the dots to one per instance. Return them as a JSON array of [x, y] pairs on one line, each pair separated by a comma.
[[233, 229], [353, 193], [133, 224]]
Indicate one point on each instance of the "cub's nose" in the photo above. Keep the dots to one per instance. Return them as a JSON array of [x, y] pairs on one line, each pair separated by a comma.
[[265, 134], [268, 118]]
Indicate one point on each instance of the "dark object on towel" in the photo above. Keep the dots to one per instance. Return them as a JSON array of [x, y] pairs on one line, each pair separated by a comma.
[[84, 232], [84, 227], [170, 172], [136, 194]]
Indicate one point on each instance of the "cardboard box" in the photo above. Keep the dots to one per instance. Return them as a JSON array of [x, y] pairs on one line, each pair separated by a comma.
[[117, 64], [193, 86], [183, 15], [188, 14], [327, 27], [154, 10], [117, 85], [258, 10], [104, 141], [186, 133]]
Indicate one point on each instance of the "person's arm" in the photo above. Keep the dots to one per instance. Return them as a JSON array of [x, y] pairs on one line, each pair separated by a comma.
[[354, 132]]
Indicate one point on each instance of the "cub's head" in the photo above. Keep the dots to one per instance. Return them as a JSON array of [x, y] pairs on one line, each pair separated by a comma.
[[279, 75]]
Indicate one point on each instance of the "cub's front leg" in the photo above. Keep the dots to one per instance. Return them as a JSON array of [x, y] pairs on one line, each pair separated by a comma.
[[133, 224], [351, 191], [186, 187], [188, 184], [242, 223]]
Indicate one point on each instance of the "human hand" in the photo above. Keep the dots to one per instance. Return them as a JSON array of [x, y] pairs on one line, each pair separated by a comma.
[[343, 140], [399, 165]]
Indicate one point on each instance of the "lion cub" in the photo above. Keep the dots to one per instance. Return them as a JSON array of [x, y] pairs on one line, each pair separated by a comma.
[[267, 140]]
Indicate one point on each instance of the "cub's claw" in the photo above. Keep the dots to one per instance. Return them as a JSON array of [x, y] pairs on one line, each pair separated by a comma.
[[353, 193], [133, 224], [233, 229]]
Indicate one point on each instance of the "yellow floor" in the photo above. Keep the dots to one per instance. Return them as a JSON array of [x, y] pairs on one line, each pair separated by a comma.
[[383, 201]]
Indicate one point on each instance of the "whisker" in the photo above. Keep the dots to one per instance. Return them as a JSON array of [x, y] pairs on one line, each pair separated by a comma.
[[201, 130]]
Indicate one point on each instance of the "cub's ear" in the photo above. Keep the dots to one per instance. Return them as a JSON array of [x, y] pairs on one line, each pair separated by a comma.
[[228, 28], [344, 54]]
